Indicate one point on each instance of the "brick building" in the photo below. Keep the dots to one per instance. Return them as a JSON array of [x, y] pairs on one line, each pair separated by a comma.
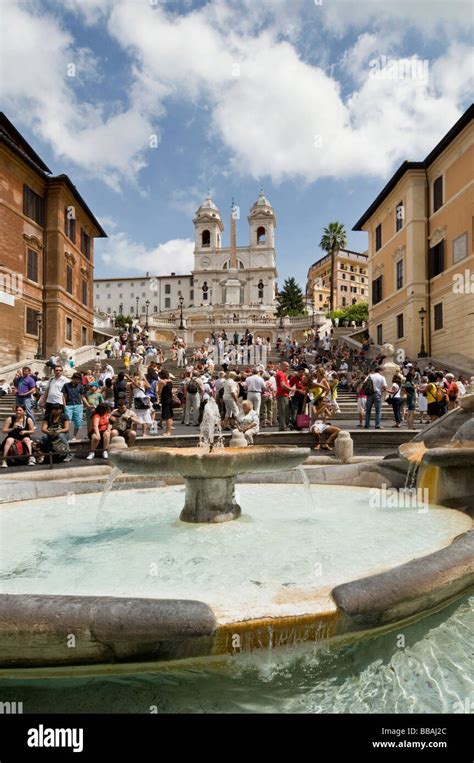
[[421, 255], [47, 236]]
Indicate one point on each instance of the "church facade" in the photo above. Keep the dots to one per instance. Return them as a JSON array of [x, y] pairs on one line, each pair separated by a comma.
[[235, 278]]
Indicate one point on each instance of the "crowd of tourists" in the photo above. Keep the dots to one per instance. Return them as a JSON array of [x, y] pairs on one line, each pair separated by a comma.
[[297, 390]]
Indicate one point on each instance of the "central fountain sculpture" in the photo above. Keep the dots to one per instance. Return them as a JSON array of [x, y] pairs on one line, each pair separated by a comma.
[[210, 469]]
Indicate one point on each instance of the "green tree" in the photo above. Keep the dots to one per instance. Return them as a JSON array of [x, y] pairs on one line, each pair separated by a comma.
[[358, 312], [290, 299], [334, 239], [122, 321]]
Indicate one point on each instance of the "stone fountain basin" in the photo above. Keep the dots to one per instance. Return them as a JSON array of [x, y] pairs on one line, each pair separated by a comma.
[[199, 462], [450, 457]]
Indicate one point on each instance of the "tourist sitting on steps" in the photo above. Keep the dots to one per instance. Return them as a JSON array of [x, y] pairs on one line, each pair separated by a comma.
[[18, 427], [248, 421], [55, 428], [122, 420], [100, 431]]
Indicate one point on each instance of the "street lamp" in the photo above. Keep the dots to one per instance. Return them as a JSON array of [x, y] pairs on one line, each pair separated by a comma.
[[312, 319], [39, 352], [147, 305], [422, 353], [138, 317], [181, 324]]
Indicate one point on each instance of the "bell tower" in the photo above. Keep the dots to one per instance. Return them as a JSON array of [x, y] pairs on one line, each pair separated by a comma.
[[262, 223], [208, 227]]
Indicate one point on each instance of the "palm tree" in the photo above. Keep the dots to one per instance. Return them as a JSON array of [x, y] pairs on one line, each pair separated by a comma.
[[334, 239]]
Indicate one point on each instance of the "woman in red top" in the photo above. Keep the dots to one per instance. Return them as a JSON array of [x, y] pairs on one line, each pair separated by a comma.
[[99, 432]]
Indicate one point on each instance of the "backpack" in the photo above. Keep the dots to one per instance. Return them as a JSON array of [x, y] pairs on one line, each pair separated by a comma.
[[192, 388], [368, 386], [441, 394]]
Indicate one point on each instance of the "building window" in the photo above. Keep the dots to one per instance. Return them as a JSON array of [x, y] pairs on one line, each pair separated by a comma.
[[85, 243], [354, 301], [107, 286], [438, 193], [438, 316], [354, 289], [69, 279], [143, 308], [362, 291], [132, 310], [68, 329], [343, 288], [399, 274], [206, 238], [353, 278], [32, 265], [377, 289], [132, 294], [191, 295], [343, 301], [261, 235], [436, 260], [459, 248], [31, 321], [83, 335], [108, 296], [167, 302], [205, 290], [119, 286], [352, 270], [379, 334], [343, 275], [33, 205], [378, 237], [109, 310], [143, 283], [362, 280], [400, 332], [399, 216], [260, 289], [155, 308], [84, 293], [361, 270], [120, 296], [70, 223], [320, 297], [167, 289]]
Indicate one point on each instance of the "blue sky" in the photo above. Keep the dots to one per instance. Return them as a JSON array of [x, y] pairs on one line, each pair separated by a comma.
[[169, 99]]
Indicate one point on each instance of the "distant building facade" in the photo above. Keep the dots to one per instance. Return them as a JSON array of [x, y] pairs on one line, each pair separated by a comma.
[[129, 296], [47, 236], [351, 270], [421, 229]]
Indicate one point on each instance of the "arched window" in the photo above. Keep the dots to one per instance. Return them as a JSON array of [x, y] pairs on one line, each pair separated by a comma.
[[240, 265], [261, 235], [205, 291], [206, 238], [260, 289]]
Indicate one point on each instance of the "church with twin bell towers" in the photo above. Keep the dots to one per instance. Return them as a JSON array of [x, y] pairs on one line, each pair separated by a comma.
[[236, 279]]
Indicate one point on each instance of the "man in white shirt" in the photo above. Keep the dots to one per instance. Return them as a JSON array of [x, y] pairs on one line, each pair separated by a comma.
[[379, 385], [255, 385], [54, 391]]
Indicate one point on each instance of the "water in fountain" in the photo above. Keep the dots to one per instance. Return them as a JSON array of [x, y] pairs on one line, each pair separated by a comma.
[[307, 485], [210, 433], [108, 487]]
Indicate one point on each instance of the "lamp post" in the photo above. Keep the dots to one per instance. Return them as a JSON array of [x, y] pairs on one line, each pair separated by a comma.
[[181, 324], [138, 317], [39, 351], [147, 305], [422, 353]]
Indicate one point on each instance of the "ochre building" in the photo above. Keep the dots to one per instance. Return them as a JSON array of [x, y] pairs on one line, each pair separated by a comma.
[[421, 229], [47, 236]]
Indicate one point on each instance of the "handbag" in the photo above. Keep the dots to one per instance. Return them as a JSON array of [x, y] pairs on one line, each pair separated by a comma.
[[142, 403], [302, 419]]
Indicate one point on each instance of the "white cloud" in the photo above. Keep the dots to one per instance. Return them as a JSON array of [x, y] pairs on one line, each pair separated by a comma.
[[267, 106], [119, 254]]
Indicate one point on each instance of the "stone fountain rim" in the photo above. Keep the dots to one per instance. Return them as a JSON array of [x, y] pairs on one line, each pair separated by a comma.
[[190, 628]]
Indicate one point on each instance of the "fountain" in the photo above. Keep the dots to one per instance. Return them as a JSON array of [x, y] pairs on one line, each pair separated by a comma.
[[209, 470], [443, 462]]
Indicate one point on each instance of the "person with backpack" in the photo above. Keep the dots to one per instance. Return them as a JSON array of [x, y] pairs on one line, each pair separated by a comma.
[[374, 386], [192, 401], [18, 427], [436, 398]]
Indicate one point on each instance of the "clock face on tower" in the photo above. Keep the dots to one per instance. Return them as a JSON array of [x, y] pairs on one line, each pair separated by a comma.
[[205, 262]]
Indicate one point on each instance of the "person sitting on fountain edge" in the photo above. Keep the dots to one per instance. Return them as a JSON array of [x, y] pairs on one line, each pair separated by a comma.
[[248, 421]]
